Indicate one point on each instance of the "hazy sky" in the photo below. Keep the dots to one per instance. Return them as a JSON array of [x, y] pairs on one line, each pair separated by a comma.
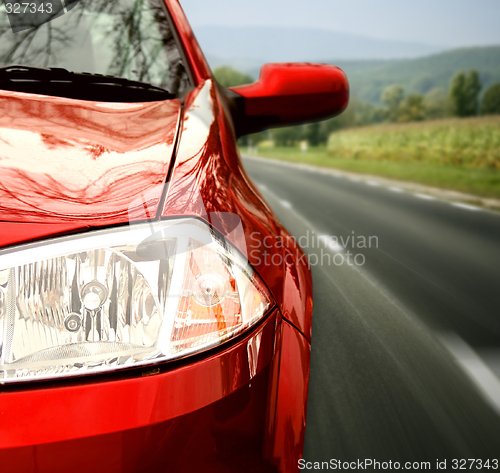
[[438, 22]]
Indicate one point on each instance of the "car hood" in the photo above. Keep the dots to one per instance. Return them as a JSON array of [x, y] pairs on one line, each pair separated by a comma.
[[88, 163]]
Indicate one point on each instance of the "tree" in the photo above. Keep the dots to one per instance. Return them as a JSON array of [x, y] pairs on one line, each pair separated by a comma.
[[392, 97], [357, 114], [491, 100], [288, 136], [436, 104], [457, 96], [313, 134], [229, 77], [472, 88], [464, 93], [411, 109]]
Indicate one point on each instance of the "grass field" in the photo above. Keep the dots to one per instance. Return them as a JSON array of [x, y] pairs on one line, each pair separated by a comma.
[[472, 142], [458, 154]]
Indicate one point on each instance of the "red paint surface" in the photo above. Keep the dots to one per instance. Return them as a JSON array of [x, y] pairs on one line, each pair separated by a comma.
[[223, 437], [82, 162], [297, 287], [296, 92], [14, 233], [290, 423]]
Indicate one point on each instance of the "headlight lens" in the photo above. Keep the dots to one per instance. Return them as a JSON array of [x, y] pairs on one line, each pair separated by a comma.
[[120, 298]]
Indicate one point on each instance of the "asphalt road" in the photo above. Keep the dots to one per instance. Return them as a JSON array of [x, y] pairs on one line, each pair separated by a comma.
[[406, 337]]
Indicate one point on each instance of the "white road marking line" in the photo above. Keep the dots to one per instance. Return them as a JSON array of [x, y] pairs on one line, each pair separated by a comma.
[[361, 271], [306, 167], [331, 243], [474, 366], [465, 206], [328, 241], [285, 203], [425, 196]]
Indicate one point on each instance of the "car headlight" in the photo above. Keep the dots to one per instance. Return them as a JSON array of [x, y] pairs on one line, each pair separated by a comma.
[[120, 298]]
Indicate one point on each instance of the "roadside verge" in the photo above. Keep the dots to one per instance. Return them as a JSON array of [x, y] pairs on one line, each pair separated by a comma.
[[444, 194]]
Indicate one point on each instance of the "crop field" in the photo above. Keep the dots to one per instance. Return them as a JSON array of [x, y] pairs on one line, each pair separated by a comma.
[[471, 143]]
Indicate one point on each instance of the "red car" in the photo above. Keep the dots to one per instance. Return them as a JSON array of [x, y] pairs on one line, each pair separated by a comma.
[[154, 314]]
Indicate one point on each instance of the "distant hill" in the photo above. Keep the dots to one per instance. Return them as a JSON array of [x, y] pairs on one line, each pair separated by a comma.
[[369, 78], [257, 45], [371, 65]]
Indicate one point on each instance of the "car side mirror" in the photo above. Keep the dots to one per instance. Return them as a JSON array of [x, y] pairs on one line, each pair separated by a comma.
[[288, 94]]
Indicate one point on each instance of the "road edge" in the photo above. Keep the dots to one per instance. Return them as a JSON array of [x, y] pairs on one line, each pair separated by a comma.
[[444, 194]]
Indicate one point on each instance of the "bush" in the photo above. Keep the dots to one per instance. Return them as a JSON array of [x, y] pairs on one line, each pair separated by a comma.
[[229, 77]]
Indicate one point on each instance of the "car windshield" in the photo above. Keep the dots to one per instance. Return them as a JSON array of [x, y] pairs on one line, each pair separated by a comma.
[[131, 39]]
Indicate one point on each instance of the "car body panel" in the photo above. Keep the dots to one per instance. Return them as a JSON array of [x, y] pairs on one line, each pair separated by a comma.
[[66, 160], [290, 421], [15, 233]]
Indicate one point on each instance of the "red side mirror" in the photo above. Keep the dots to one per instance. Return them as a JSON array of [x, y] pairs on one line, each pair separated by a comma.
[[287, 94]]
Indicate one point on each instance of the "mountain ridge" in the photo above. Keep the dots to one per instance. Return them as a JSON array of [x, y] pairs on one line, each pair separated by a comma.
[[420, 75]]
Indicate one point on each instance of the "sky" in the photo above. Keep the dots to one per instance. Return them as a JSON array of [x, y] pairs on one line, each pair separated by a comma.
[[448, 23]]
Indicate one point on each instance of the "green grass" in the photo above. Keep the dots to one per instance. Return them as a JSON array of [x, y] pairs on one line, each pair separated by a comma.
[[478, 181]]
